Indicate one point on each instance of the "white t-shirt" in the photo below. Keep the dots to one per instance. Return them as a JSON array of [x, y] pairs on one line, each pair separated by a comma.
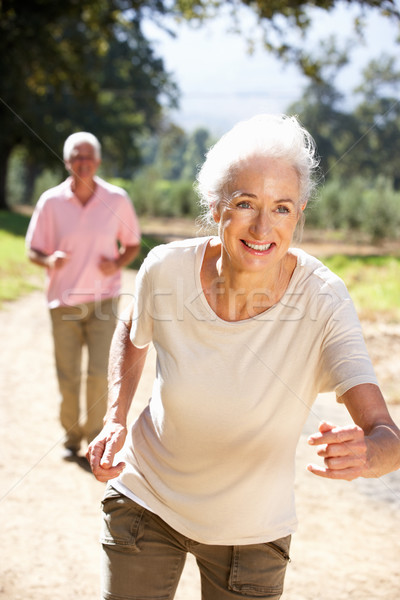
[[213, 452]]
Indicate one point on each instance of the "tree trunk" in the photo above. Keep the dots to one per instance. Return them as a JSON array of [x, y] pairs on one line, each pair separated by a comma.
[[32, 171], [3, 178]]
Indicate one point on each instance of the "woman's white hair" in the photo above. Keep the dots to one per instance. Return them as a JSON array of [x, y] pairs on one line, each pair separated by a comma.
[[265, 135], [81, 137]]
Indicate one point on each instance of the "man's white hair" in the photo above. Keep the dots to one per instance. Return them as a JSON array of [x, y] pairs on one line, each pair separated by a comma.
[[81, 137]]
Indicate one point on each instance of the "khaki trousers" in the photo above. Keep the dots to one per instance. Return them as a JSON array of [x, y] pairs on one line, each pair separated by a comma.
[[143, 558], [74, 327]]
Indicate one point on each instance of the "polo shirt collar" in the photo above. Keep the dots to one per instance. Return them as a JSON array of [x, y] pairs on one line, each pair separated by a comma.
[[97, 196]]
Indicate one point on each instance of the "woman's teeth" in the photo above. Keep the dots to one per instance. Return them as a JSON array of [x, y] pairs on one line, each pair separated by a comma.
[[258, 247]]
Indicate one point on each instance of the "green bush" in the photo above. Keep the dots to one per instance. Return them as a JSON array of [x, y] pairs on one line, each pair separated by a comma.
[[183, 199], [156, 197], [15, 178], [382, 214], [369, 207], [46, 180], [17, 187]]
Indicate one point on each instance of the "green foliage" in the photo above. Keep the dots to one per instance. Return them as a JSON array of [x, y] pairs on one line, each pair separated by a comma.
[[379, 117], [74, 65], [159, 197], [15, 177], [14, 223], [46, 180], [174, 153], [382, 211], [364, 141], [77, 65], [197, 146], [16, 180], [278, 19], [359, 150], [275, 17], [370, 207], [164, 186]]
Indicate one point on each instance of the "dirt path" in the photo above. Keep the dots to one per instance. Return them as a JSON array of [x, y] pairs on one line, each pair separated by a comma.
[[347, 546]]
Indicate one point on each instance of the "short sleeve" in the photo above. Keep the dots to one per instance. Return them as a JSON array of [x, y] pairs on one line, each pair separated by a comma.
[[345, 361], [142, 323], [40, 234], [129, 230]]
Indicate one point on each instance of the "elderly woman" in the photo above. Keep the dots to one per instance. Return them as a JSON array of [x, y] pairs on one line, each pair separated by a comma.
[[247, 332]]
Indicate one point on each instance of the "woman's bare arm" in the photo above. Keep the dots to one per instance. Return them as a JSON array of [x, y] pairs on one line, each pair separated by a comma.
[[368, 448]]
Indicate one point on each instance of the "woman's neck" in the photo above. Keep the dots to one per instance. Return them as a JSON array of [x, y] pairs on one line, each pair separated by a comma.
[[236, 295]]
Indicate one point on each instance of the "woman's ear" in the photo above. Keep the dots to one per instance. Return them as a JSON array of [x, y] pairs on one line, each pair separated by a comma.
[[216, 215], [214, 209]]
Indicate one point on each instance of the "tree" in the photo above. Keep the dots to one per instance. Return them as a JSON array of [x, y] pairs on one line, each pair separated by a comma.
[[171, 145], [197, 146], [276, 17], [364, 141], [174, 153], [333, 129], [379, 117], [129, 83], [76, 65], [320, 108]]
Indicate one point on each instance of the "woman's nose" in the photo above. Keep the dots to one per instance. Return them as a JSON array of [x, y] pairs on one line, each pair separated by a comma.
[[262, 225]]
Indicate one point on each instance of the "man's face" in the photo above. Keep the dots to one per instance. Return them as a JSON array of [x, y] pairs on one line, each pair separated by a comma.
[[83, 162]]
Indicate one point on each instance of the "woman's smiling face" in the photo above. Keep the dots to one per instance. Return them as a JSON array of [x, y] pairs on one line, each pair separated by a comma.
[[259, 213]]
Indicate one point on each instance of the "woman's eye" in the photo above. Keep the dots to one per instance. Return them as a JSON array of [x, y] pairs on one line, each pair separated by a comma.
[[282, 209], [243, 204]]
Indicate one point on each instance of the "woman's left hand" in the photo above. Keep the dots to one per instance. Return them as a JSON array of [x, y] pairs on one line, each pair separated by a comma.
[[344, 450]]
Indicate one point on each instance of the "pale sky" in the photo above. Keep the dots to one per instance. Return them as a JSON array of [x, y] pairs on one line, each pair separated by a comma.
[[221, 83]]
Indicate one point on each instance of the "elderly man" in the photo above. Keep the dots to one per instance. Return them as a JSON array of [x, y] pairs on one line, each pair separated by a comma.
[[83, 232]]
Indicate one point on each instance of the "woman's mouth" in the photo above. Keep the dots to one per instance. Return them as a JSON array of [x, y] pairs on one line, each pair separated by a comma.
[[257, 247]]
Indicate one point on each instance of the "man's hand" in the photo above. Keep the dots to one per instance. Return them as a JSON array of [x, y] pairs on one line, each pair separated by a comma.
[[52, 261], [102, 450], [57, 260], [108, 266], [344, 450]]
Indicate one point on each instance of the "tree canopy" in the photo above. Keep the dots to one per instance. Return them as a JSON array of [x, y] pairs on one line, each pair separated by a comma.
[[275, 18], [86, 64], [77, 65], [363, 140]]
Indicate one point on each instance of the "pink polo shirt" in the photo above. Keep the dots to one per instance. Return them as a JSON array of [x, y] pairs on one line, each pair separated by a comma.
[[85, 233]]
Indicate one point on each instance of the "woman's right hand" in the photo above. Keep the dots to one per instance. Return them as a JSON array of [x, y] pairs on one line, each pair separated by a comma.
[[102, 450]]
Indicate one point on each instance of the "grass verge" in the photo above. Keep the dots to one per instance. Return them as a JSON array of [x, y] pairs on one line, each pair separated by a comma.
[[373, 282], [17, 275]]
